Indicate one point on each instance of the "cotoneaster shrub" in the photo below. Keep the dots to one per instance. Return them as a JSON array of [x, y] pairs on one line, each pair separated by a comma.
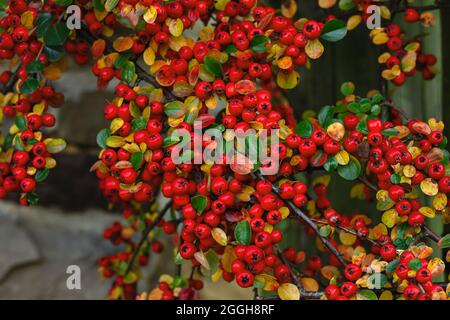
[[224, 219]]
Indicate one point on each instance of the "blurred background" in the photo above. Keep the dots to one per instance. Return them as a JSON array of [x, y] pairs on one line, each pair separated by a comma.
[[37, 244]]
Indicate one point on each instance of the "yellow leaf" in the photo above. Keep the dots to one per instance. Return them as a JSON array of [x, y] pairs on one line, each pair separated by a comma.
[[150, 15], [26, 19], [220, 236], [50, 163], [211, 102], [314, 49], [326, 4], [440, 201], [323, 179], [149, 56], [409, 171], [217, 275], [427, 212], [289, 8], [285, 62], [289, 80], [115, 141], [227, 258], [116, 124], [206, 34], [176, 27], [357, 191], [429, 187], [390, 218], [310, 284], [380, 38], [435, 125], [385, 12], [330, 272], [436, 266], [284, 212], [270, 282], [342, 157], [39, 108], [288, 291], [347, 239], [123, 44], [386, 295], [336, 131], [55, 145], [382, 58], [353, 21]]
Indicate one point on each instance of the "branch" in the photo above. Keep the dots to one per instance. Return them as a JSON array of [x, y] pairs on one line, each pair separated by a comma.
[[145, 234], [310, 223], [141, 73], [431, 234], [303, 291], [347, 230]]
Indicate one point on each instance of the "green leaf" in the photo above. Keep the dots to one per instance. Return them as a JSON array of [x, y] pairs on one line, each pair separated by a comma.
[[213, 261], [111, 4], [20, 122], [102, 136], [415, 264], [32, 198], [366, 295], [138, 124], [63, 3], [362, 127], [258, 43], [43, 23], [29, 85], [334, 30], [354, 107], [331, 164], [392, 265], [127, 71], [179, 282], [54, 53], [347, 88], [243, 233], [213, 66], [304, 128], [231, 49], [390, 132], [3, 4], [325, 231], [18, 143], [56, 35], [375, 110], [120, 61], [35, 67], [174, 109], [445, 241], [170, 141], [325, 116], [351, 171], [136, 160], [41, 175], [346, 4], [98, 4], [395, 178], [199, 203]]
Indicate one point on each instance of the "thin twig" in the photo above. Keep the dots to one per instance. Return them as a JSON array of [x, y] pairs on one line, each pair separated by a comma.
[[310, 223], [145, 234], [303, 292], [347, 230], [430, 233]]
